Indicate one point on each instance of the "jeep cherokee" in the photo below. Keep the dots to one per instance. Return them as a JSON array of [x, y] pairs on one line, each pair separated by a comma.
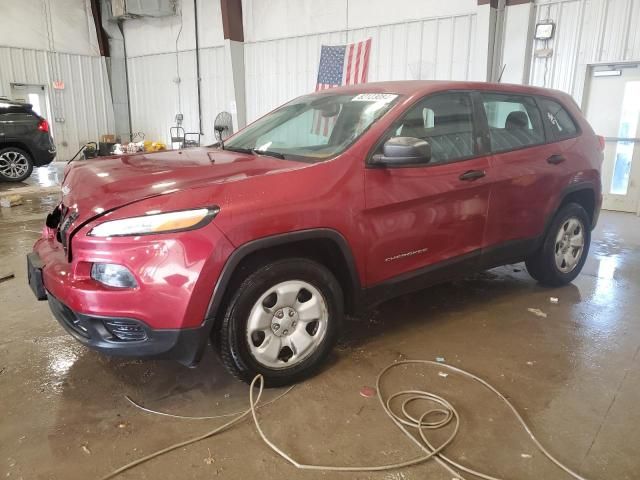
[[336, 200]]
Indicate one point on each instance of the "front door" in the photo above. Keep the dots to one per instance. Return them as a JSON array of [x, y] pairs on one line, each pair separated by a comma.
[[435, 213], [613, 110]]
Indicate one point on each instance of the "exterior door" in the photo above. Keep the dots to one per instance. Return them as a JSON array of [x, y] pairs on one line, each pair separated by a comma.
[[613, 110], [524, 171], [33, 94], [425, 215]]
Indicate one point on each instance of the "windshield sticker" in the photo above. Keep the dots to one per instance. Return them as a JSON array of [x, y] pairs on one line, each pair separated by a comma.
[[375, 97]]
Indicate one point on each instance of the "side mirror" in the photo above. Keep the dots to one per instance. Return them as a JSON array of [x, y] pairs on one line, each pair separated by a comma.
[[403, 151]]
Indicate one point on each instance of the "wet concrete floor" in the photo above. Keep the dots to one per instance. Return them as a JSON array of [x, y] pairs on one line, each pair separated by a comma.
[[573, 374]]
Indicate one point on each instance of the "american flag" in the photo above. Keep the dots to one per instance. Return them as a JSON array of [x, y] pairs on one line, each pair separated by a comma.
[[340, 65]]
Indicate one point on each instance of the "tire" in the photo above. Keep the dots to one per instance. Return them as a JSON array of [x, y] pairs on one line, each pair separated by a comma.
[[554, 270], [272, 313], [16, 165]]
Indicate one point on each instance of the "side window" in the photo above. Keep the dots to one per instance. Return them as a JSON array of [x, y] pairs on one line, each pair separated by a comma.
[[514, 121], [557, 119], [443, 120]]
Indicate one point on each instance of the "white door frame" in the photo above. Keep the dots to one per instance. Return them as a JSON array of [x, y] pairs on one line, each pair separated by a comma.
[[588, 69], [45, 91]]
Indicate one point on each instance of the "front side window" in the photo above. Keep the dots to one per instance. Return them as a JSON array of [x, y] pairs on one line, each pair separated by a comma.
[[558, 120], [314, 127], [445, 121], [514, 121]]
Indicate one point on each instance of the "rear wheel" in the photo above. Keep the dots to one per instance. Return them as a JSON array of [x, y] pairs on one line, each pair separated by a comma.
[[15, 164], [282, 322], [564, 251]]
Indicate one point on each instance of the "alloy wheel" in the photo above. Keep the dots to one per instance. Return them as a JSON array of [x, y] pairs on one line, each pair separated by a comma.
[[13, 165]]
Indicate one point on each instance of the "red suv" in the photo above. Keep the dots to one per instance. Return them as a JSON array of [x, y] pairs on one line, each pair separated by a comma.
[[336, 200]]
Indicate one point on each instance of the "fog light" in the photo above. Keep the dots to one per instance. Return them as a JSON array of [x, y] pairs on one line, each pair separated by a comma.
[[113, 275], [126, 330]]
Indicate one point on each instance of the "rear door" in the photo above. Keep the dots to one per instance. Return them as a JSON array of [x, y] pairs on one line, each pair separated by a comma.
[[432, 214], [524, 169]]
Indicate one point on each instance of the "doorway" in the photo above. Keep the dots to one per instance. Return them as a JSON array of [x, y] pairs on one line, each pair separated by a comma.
[[613, 110], [36, 95]]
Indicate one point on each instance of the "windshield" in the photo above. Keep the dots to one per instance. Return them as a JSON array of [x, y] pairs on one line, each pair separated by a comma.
[[314, 127]]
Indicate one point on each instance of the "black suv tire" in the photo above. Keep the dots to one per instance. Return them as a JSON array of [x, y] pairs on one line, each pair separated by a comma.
[[570, 223], [260, 295], [13, 154]]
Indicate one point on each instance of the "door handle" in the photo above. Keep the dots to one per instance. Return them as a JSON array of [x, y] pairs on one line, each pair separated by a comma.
[[555, 159], [472, 175]]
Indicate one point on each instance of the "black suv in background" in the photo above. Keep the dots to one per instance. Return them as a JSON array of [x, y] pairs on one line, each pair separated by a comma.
[[25, 141]]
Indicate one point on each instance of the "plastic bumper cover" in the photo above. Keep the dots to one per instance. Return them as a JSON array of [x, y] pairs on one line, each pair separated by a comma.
[[129, 337]]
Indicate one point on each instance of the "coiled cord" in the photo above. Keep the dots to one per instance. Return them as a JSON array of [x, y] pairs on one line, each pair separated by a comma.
[[444, 412]]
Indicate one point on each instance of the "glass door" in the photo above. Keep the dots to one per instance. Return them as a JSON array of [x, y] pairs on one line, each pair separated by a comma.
[[613, 109]]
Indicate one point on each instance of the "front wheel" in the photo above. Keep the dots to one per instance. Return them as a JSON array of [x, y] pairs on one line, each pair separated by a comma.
[[565, 247], [282, 322]]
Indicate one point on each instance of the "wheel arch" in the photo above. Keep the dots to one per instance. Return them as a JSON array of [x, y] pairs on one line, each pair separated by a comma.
[[584, 194], [17, 144], [327, 246]]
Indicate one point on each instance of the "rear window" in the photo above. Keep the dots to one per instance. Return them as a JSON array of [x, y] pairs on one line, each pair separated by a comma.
[[7, 107], [557, 120]]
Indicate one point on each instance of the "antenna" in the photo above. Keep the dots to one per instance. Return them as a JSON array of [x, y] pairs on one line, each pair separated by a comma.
[[501, 72]]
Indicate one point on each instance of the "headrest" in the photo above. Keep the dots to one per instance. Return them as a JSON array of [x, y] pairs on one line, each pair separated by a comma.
[[516, 120]]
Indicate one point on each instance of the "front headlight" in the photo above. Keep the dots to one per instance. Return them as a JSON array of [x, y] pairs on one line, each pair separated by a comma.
[[156, 223]]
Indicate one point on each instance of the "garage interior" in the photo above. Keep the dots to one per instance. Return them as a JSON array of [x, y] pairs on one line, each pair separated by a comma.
[[154, 72]]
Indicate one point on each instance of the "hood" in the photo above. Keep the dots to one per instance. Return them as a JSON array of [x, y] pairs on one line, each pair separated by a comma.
[[112, 182]]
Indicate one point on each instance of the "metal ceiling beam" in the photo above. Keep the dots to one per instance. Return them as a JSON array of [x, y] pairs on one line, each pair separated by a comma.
[[103, 39], [232, 20]]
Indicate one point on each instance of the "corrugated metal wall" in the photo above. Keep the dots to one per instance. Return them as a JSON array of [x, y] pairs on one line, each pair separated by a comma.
[[156, 97], [279, 70], [587, 32], [85, 103], [431, 49], [436, 48]]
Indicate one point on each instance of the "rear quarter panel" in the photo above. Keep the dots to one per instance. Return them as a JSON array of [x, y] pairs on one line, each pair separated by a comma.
[[584, 155]]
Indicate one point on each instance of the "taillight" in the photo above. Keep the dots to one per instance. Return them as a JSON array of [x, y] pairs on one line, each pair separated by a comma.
[[43, 126], [601, 140]]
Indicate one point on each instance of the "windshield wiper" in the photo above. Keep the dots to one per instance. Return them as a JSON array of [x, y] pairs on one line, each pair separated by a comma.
[[255, 151], [268, 153], [238, 150]]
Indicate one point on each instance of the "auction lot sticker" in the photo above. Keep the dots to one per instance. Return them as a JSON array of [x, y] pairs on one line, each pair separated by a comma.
[[375, 97]]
